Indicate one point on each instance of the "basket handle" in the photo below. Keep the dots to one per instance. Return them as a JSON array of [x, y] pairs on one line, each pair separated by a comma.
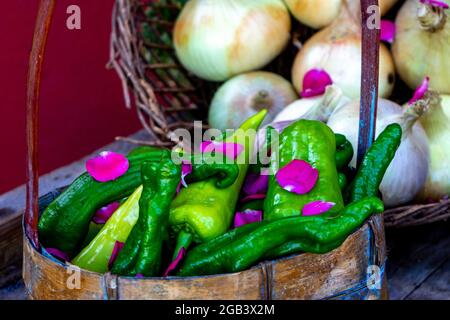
[[41, 30], [368, 111], [369, 80]]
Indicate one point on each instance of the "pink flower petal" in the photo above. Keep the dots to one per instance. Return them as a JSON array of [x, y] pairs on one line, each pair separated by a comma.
[[256, 183], [107, 166], [103, 214], [247, 217], [421, 90], [388, 30], [315, 82], [253, 197], [186, 169], [58, 254], [139, 276], [118, 246], [298, 177], [175, 262], [317, 207], [435, 3], [229, 149]]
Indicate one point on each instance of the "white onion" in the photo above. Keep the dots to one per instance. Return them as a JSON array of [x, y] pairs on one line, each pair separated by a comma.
[[320, 13], [436, 123], [337, 50], [408, 171], [244, 95], [422, 45], [316, 108], [314, 13], [217, 39]]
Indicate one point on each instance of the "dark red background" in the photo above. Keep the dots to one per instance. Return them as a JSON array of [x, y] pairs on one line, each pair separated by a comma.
[[81, 101]]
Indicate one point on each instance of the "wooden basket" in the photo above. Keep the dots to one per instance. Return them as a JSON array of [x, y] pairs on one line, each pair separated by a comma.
[[163, 102], [344, 273]]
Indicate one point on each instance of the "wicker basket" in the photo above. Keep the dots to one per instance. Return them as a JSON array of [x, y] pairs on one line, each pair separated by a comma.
[[167, 96]]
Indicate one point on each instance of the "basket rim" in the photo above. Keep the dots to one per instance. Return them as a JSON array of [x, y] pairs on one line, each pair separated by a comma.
[[367, 224]]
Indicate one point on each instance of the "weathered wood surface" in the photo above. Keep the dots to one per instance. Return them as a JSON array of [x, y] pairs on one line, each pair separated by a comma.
[[418, 264]]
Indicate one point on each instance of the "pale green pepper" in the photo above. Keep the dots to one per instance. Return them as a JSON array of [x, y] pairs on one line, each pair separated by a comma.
[[95, 257], [202, 211]]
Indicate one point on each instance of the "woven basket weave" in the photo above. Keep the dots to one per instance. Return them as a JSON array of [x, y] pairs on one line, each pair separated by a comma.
[[167, 96]]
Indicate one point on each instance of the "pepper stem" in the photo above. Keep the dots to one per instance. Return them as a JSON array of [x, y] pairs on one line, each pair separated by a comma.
[[184, 240]]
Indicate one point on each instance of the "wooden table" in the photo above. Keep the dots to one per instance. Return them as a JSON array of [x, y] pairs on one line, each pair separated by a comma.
[[418, 265]]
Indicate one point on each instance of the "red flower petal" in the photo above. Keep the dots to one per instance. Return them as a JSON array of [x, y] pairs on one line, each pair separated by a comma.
[[317, 207], [175, 262], [229, 149], [298, 177], [107, 166], [247, 217], [118, 246], [421, 90], [103, 214], [253, 197], [256, 183], [315, 82], [58, 254], [387, 31], [435, 3]]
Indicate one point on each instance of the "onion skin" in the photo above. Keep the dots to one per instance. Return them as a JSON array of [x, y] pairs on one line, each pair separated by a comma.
[[436, 123], [306, 11], [419, 52], [337, 50], [245, 95], [297, 109], [407, 173], [217, 39], [317, 108]]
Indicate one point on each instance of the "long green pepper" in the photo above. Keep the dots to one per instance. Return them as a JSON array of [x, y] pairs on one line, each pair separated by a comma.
[[375, 163], [65, 222], [312, 234], [143, 249]]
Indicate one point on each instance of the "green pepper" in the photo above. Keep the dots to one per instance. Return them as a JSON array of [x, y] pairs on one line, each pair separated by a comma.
[[315, 143], [95, 256], [143, 249], [312, 234], [65, 222], [203, 211], [375, 163], [225, 174], [342, 178], [295, 247], [257, 205], [145, 150], [344, 152]]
